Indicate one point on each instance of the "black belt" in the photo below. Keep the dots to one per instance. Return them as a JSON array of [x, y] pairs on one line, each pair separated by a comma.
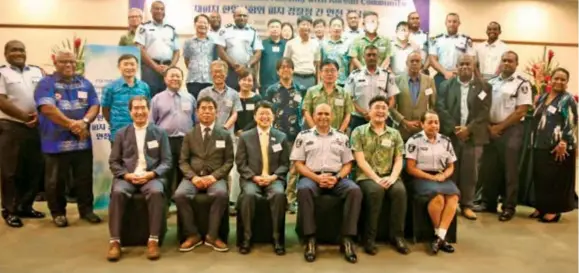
[[177, 137], [162, 62], [332, 173], [432, 172], [304, 75]]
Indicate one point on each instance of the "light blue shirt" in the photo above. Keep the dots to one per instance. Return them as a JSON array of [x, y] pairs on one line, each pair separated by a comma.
[[449, 47], [239, 43], [228, 101], [159, 40], [174, 112], [420, 38], [337, 51], [200, 53]]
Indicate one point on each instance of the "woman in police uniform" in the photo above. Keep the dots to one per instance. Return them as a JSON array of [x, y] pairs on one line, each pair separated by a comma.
[[430, 161]]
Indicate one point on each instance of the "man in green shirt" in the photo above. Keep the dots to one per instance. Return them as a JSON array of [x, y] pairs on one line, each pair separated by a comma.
[[370, 37], [135, 19], [330, 93], [378, 152]]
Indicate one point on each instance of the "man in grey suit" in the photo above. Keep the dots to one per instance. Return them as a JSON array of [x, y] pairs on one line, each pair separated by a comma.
[[463, 105], [206, 160], [262, 173], [139, 160]]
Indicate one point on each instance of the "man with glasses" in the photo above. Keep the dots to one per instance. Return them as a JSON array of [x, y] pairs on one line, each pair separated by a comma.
[[135, 19]]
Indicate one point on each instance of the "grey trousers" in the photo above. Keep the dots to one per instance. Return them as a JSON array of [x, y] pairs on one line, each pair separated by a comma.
[[153, 79], [345, 189], [122, 190], [499, 171], [187, 191], [305, 81], [275, 194], [373, 198], [466, 170]]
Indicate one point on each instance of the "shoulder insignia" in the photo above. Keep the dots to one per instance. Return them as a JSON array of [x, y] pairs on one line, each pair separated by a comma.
[[357, 70], [221, 31], [445, 137], [2, 66], [229, 25], [519, 77], [411, 148], [167, 25], [148, 22], [142, 30], [417, 135], [305, 132], [299, 142], [437, 36]]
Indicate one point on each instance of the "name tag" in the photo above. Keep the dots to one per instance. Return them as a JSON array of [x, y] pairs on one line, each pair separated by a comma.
[[276, 148], [482, 95], [298, 98], [339, 102], [250, 107], [428, 91], [220, 144], [381, 82], [228, 103], [386, 142], [186, 106], [552, 109], [275, 49], [152, 144], [82, 95]]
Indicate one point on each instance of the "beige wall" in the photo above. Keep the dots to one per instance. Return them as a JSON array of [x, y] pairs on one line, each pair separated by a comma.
[[548, 20]]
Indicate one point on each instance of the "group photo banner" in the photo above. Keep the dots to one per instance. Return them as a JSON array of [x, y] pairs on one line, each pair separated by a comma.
[[180, 13]]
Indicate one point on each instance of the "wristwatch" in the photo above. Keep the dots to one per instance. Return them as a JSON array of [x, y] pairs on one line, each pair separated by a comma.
[[338, 177], [86, 120]]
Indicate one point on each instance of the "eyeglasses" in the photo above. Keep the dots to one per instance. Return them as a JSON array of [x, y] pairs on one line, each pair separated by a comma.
[[330, 71], [66, 61]]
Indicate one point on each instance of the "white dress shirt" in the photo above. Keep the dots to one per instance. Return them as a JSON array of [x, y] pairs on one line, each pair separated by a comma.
[[489, 57], [463, 101], [210, 129], [140, 133]]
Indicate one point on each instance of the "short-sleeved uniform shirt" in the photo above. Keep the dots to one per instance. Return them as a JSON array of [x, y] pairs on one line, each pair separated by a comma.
[[380, 151], [430, 157], [507, 95], [449, 47], [159, 40], [286, 107], [73, 99], [339, 101], [227, 102], [382, 43], [322, 153], [200, 53], [363, 86], [420, 38], [239, 43], [18, 85], [116, 96], [399, 56]]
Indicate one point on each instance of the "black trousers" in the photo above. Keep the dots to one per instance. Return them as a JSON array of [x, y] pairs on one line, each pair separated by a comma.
[[194, 88], [372, 202], [21, 165], [58, 170], [175, 175]]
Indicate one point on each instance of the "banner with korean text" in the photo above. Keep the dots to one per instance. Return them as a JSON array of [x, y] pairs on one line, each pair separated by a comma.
[[180, 13], [101, 69]]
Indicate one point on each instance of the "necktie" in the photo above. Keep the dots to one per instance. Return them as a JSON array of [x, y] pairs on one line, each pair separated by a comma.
[[264, 141], [206, 137]]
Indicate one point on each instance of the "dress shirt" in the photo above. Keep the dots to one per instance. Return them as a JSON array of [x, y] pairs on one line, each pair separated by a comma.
[[140, 133], [264, 143], [463, 101], [174, 112], [210, 129]]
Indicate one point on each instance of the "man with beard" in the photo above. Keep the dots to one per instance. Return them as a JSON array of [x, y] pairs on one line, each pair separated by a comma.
[[354, 30], [489, 52], [418, 39]]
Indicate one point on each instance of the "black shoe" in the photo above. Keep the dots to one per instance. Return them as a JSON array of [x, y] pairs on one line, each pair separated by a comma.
[[370, 248], [349, 251], [245, 247], [506, 215], [60, 221], [91, 218], [31, 213], [310, 251], [484, 208], [4, 213], [400, 245], [435, 245], [552, 220], [293, 208], [536, 215], [278, 248], [13, 221], [446, 247]]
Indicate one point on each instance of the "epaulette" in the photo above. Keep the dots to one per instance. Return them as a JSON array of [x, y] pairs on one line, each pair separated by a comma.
[[522, 78], [492, 78], [39, 68], [417, 135], [229, 25], [167, 25], [465, 36], [445, 137], [250, 27], [2, 66], [437, 36], [148, 22], [355, 71], [305, 131]]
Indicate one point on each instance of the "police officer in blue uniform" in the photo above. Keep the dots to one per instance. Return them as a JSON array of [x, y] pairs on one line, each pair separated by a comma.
[[159, 48]]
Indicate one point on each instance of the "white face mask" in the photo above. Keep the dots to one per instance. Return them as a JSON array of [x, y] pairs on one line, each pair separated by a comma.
[[402, 35], [371, 27]]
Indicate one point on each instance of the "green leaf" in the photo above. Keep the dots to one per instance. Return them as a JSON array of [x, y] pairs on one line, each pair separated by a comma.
[[68, 44]]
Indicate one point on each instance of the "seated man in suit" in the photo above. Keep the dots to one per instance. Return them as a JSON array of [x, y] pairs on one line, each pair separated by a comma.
[[139, 160], [206, 160], [263, 173], [464, 107]]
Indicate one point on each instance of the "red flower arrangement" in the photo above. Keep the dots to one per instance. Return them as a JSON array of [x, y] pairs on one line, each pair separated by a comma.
[[77, 46], [540, 69]]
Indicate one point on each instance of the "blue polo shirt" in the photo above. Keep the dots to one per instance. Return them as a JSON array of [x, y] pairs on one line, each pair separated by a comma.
[[73, 99], [272, 52], [116, 96]]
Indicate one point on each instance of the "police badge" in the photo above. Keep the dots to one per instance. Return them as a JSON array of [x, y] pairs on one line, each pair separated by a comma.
[[411, 148]]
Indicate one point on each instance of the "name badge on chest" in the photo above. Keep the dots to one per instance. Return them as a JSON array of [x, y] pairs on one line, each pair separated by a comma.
[[220, 144], [428, 91], [250, 107], [275, 49], [552, 109], [339, 102], [298, 98], [82, 95], [276, 148], [482, 95], [228, 103], [152, 144], [387, 142], [186, 106]]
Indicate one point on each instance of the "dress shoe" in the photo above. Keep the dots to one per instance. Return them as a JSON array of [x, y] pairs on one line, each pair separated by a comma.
[[278, 248], [484, 208], [400, 245], [349, 252], [191, 243], [4, 213], [446, 247], [60, 221], [310, 251], [555, 219], [13, 221], [245, 247], [435, 245], [468, 213], [216, 244], [506, 215], [293, 208], [91, 218], [153, 251], [31, 213], [114, 253], [536, 215], [370, 248]]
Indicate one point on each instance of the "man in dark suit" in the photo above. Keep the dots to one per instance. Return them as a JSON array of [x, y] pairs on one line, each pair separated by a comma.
[[262, 173], [139, 160], [206, 160], [463, 104]]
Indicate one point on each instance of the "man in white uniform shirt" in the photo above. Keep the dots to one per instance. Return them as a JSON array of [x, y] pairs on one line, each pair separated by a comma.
[[489, 52]]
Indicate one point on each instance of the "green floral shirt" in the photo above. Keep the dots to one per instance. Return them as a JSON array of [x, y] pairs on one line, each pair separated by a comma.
[[128, 39], [382, 43], [380, 151], [339, 101]]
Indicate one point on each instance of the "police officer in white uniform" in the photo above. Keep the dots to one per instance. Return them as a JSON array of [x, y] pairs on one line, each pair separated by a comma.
[[323, 158], [21, 158], [159, 48], [367, 83], [511, 98], [445, 49], [419, 39], [239, 46]]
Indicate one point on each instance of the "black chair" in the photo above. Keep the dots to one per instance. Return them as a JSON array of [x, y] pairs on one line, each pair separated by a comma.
[[135, 224], [201, 205], [262, 224], [329, 211], [383, 223], [422, 229]]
